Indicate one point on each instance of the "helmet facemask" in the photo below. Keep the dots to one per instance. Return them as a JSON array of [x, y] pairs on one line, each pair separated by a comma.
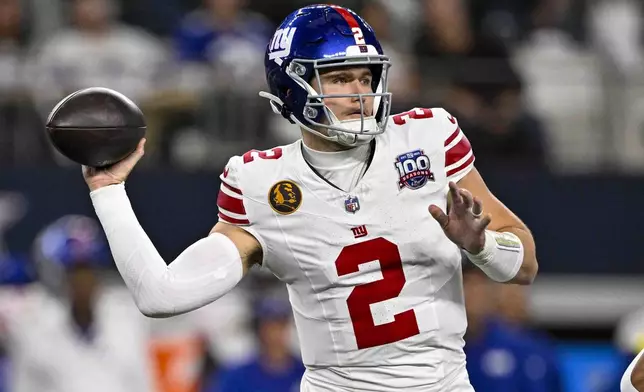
[[318, 116], [352, 131]]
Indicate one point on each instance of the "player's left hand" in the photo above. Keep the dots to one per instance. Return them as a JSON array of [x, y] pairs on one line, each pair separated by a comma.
[[464, 224]]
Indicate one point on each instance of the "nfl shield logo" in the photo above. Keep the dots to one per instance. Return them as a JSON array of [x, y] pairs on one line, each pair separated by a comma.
[[352, 204]]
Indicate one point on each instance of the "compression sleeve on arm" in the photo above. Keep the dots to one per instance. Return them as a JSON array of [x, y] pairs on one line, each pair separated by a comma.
[[205, 271]]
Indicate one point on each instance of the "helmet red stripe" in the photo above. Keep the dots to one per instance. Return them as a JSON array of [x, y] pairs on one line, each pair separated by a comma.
[[347, 16]]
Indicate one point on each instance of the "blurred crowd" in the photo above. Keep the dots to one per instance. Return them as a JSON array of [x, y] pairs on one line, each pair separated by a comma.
[[537, 84]]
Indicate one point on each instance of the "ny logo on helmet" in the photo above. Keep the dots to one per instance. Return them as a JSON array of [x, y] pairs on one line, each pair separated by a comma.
[[280, 46]]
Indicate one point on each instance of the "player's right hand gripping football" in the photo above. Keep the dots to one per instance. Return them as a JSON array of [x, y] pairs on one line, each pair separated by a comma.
[[464, 224], [100, 177]]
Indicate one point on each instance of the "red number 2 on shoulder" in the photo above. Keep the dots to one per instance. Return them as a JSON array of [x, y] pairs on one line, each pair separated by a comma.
[[367, 333], [274, 153], [417, 113]]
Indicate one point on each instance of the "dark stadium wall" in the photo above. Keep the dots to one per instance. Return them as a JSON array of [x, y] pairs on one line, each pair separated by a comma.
[[582, 225]]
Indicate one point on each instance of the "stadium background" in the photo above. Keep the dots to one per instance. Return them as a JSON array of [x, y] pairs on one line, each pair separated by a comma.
[[549, 92]]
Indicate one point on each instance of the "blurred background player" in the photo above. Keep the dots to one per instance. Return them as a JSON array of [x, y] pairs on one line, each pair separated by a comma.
[[70, 331], [629, 338], [276, 368], [188, 351], [633, 378], [96, 48], [501, 354]]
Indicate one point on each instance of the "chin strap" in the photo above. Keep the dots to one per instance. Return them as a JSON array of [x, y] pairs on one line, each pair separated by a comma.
[[278, 106]]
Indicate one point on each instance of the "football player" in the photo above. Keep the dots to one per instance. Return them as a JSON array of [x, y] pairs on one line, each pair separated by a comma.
[[70, 331], [633, 378], [341, 217]]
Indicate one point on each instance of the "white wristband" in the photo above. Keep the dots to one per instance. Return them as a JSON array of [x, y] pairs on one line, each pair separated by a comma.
[[501, 257]]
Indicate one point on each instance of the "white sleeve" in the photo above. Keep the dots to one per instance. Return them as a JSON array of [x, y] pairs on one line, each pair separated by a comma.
[[459, 156], [205, 271], [626, 385]]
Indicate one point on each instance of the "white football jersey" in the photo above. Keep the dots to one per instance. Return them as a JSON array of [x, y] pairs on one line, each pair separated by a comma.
[[375, 285]]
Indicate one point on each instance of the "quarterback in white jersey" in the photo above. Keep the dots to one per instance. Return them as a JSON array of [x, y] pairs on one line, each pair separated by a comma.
[[375, 285], [353, 218]]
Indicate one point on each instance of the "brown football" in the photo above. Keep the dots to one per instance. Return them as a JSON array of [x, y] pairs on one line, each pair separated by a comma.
[[96, 126]]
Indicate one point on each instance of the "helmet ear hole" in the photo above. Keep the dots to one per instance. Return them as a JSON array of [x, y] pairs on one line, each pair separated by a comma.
[[298, 68], [310, 112]]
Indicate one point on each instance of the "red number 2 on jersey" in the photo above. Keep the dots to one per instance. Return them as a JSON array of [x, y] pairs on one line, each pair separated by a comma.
[[401, 119], [367, 333], [250, 156]]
